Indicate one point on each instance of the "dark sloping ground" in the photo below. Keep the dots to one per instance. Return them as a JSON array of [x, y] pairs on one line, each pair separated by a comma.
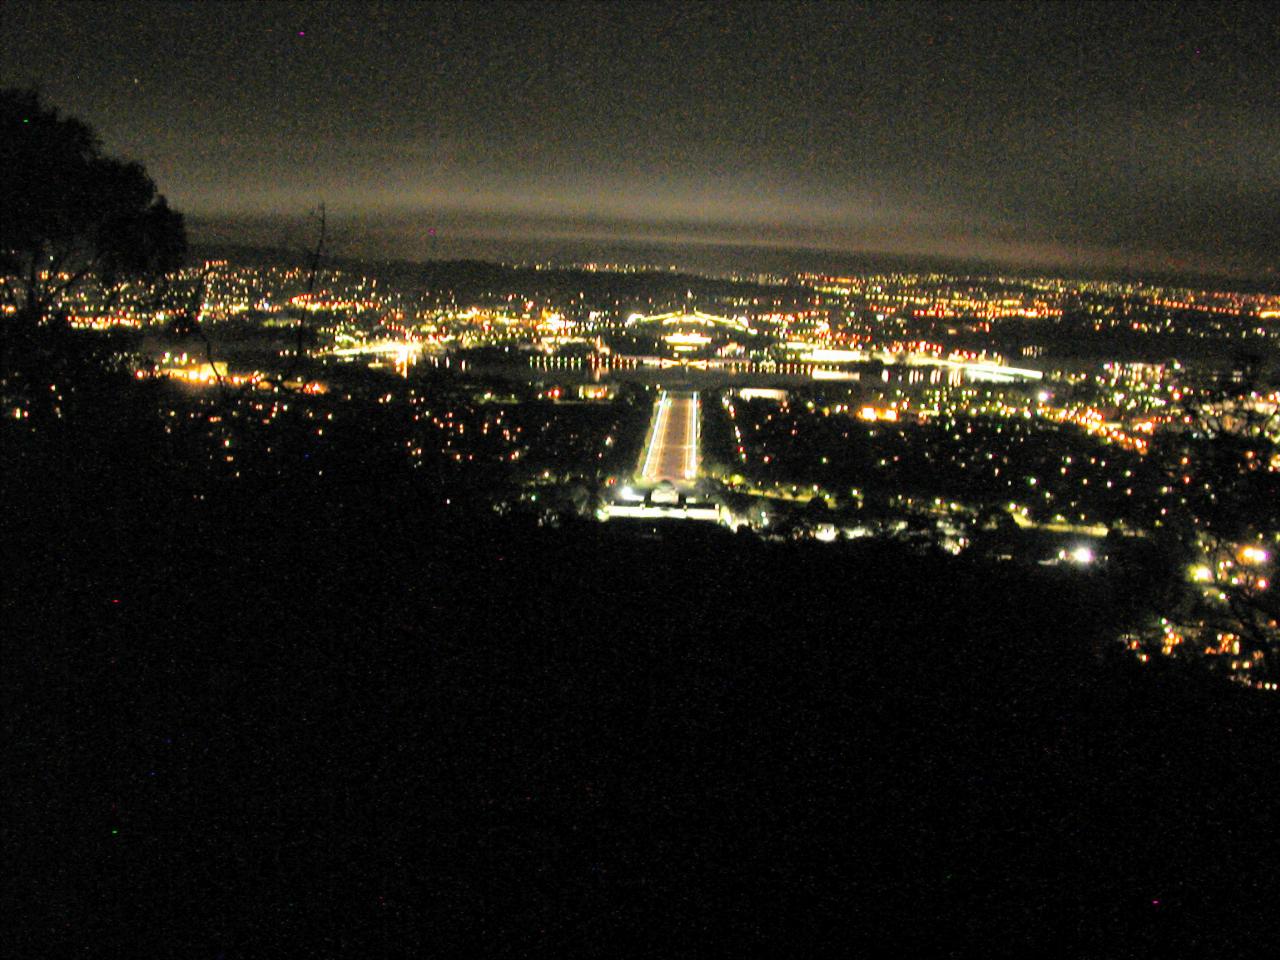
[[337, 723]]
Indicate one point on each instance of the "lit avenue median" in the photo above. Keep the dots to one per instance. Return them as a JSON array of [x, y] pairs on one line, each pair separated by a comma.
[[672, 451]]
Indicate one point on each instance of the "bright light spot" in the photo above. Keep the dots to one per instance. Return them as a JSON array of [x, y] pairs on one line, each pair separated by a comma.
[[1201, 574], [1081, 555], [1253, 555]]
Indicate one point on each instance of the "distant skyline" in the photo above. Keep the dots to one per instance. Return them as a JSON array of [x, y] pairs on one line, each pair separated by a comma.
[[1112, 136]]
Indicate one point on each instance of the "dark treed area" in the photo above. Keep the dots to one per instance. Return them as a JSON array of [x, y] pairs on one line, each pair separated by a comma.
[[293, 725], [375, 607]]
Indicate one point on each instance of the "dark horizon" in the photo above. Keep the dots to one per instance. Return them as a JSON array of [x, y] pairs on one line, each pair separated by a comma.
[[289, 239], [1116, 137]]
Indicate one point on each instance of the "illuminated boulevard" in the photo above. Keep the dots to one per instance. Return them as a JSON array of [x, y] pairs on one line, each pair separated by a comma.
[[672, 451]]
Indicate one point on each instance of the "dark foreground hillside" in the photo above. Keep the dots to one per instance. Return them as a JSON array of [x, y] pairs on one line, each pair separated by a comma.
[[343, 724]]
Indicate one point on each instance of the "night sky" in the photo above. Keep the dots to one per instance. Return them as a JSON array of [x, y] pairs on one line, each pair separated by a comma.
[[1145, 136]]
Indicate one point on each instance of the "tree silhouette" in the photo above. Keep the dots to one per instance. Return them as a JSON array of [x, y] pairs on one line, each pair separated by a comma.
[[74, 226], [70, 216]]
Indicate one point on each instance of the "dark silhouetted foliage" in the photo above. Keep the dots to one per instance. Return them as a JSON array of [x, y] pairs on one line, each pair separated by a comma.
[[68, 214]]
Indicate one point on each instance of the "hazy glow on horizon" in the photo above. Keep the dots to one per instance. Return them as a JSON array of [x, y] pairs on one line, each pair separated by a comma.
[[1043, 134]]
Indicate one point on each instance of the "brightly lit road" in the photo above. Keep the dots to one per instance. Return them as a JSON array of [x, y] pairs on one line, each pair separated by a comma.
[[672, 451]]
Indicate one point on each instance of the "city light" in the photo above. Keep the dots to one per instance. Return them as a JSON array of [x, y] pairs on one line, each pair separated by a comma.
[[1082, 555]]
